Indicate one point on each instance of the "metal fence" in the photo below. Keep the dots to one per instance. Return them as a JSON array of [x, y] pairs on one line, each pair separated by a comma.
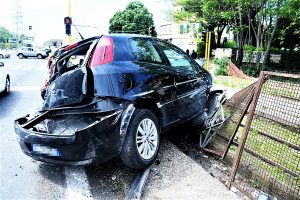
[[235, 108], [267, 133]]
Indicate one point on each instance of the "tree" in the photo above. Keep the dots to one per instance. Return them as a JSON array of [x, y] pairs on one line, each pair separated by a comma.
[[217, 14], [134, 19], [4, 35], [201, 11]]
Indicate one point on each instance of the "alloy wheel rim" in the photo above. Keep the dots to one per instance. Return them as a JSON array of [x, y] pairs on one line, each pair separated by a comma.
[[146, 138]]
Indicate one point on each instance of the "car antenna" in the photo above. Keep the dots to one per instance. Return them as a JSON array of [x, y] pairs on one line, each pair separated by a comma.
[[78, 32]]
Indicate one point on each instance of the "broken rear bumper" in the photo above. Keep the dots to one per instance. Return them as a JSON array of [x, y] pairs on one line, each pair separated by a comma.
[[97, 141]]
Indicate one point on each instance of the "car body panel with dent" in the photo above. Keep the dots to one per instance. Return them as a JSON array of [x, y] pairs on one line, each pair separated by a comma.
[[91, 106]]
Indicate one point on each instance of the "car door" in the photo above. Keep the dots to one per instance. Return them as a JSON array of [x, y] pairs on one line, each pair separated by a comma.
[[158, 77], [32, 52], [26, 52], [191, 87]]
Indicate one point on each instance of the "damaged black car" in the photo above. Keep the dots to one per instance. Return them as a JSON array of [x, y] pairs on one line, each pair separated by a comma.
[[114, 95]]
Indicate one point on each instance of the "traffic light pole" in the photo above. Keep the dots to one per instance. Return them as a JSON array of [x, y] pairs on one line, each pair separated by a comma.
[[206, 46], [69, 14], [207, 50]]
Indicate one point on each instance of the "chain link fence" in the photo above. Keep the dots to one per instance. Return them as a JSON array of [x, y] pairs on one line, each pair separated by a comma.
[[262, 136]]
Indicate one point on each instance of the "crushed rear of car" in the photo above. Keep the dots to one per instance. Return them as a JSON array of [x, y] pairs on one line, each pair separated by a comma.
[[113, 95]]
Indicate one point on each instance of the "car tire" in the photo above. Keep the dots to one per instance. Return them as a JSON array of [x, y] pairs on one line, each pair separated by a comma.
[[142, 140], [7, 86], [21, 56], [1, 56], [39, 56]]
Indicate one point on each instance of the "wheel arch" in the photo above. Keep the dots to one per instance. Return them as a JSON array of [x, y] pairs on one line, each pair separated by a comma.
[[151, 106]]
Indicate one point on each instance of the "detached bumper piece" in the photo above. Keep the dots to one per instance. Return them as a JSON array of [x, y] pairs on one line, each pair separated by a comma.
[[71, 136]]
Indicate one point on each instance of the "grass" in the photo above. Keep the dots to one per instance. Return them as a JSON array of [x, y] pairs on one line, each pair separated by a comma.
[[231, 81], [281, 89], [258, 172]]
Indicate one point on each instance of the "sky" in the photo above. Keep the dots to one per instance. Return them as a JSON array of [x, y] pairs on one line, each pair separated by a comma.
[[47, 16]]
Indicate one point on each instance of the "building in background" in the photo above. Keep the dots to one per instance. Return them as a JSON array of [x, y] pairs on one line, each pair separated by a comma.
[[184, 34]]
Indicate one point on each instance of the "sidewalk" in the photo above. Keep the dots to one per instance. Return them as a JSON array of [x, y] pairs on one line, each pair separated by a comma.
[[179, 177]]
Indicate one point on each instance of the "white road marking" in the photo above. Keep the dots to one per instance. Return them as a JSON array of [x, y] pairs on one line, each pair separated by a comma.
[[77, 183], [25, 88]]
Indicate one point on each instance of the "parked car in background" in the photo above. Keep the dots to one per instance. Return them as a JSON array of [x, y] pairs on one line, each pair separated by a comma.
[[4, 80], [114, 95], [25, 52], [4, 54]]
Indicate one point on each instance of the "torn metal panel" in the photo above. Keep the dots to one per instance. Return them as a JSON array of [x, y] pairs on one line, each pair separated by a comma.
[[77, 137]]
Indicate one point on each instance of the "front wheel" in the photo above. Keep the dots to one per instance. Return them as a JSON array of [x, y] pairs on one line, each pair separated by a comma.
[[142, 140], [21, 56], [39, 56]]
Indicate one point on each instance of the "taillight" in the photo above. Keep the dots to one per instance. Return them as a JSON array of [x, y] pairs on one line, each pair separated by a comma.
[[103, 52]]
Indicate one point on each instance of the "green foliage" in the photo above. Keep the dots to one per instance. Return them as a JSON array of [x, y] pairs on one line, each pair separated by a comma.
[[221, 66], [4, 35], [2, 45], [134, 19], [230, 44], [249, 50], [201, 49], [250, 70]]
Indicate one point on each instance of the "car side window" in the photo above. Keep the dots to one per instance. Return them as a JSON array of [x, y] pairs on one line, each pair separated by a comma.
[[144, 51], [178, 59]]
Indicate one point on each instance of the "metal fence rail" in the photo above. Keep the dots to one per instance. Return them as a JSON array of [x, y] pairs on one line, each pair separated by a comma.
[[235, 108], [268, 156], [261, 139]]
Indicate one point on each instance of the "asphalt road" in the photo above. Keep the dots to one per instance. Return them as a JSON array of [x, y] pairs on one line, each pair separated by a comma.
[[23, 178]]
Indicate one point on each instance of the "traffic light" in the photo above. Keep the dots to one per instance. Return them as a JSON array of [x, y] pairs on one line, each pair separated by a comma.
[[152, 31], [203, 34], [68, 23]]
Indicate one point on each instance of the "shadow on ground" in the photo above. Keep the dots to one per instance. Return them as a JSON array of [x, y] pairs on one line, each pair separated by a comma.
[[53, 173]]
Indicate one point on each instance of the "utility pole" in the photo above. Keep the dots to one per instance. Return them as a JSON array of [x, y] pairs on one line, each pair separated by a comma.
[[69, 15], [18, 20]]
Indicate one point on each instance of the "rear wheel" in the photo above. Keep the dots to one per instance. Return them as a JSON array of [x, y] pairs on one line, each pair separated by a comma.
[[21, 56], [1, 56], [39, 56], [142, 141]]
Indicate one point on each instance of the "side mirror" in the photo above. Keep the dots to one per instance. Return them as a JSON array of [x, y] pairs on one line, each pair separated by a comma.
[[1, 64]]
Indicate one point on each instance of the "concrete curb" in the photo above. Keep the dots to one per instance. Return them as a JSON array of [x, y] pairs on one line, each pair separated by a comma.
[[179, 177]]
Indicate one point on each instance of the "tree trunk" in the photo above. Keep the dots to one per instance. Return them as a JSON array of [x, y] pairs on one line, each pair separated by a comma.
[[270, 42], [220, 32], [258, 53], [240, 40]]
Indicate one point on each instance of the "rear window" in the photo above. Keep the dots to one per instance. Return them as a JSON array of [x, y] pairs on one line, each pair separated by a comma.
[[144, 51]]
